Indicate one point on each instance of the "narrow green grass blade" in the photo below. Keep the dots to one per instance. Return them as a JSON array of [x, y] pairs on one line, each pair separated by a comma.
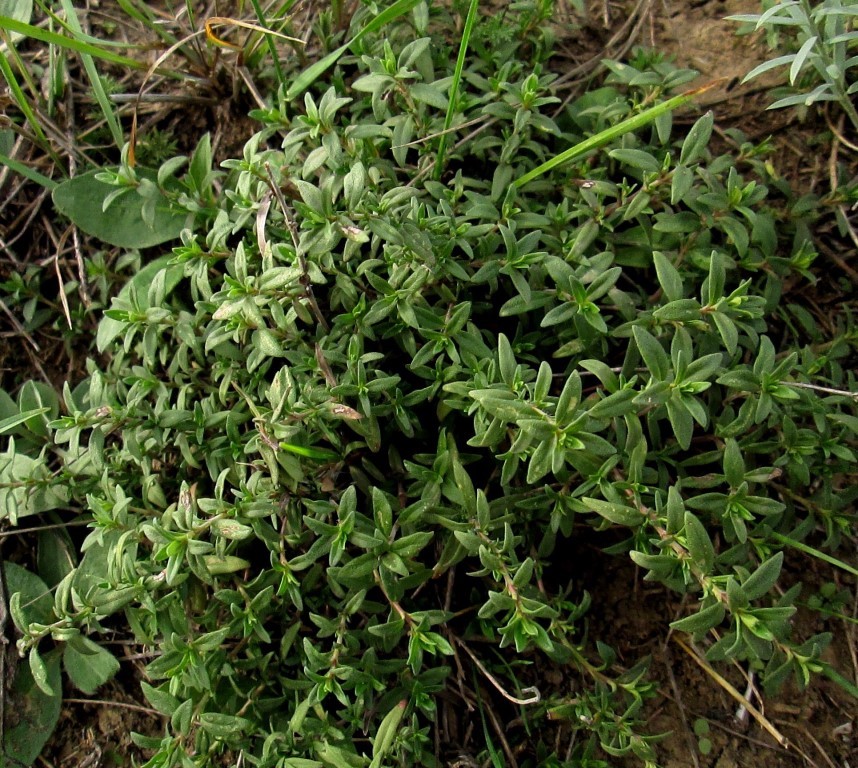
[[55, 79], [95, 79], [831, 614], [28, 173], [470, 20], [808, 550], [315, 71], [494, 755], [71, 43], [97, 42], [269, 39], [21, 100], [142, 14], [836, 677], [320, 454], [610, 134]]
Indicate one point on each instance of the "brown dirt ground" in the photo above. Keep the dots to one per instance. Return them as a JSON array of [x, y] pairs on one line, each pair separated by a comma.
[[819, 723]]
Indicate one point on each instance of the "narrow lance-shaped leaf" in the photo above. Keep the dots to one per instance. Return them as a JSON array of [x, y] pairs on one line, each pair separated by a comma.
[[701, 621], [764, 578], [699, 544], [386, 733]]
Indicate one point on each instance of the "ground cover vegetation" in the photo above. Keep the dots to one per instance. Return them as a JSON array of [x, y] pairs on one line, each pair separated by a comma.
[[344, 408]]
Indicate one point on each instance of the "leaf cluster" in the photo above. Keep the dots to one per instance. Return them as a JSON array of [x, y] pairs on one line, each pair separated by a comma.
[[349, 426]]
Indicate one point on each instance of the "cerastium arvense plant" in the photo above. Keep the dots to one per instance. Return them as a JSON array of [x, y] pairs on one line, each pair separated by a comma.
[[347, 431]]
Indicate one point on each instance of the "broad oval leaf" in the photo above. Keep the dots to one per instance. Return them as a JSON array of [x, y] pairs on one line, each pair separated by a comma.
[[122, 224]]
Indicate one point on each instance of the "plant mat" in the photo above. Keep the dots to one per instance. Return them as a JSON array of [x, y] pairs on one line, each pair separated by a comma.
[[819, 722]]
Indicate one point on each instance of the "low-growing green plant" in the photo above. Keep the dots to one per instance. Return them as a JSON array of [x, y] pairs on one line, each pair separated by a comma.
[[824, 40], [343, 436]]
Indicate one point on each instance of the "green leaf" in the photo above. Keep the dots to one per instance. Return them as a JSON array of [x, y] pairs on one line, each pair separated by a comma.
[[675, 510], [31, 714], [386, 733], [314, 72], [734, 464], [19, 10], [267, 343], [681, 420], [81, 199], [223, 726], [88, 664], [728, 331], [800, 58], [697, 139], [541, 460], [34, 597], [429, 94], [767, 65], [222, 564], [13, 421], [506, 360], [636, 158], [40, 673], [680, 184], [668, 276], [616, 513], [618, 404], [161, 700], [569, 398], [702, 621], [699, 544], [654, 356]]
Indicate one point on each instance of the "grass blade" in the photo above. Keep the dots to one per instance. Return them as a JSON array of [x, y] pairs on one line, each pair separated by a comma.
[[319, 454], [269, 40], [313, 72], [470, 20], [614, 132], [70, 43], [494, 755], [95, 79], [28, 173], [21, 100], [808, 550], [835, 677]]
